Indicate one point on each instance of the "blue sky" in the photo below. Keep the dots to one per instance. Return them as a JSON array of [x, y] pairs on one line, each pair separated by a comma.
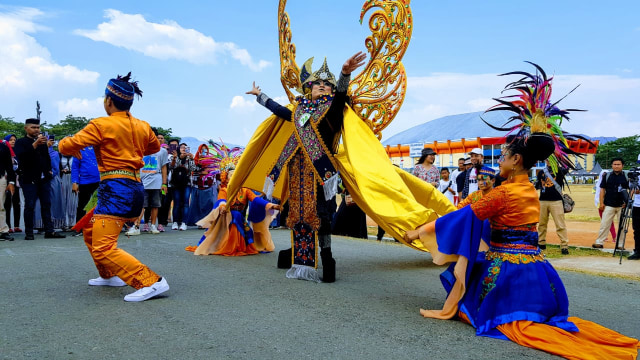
[[194, 60]]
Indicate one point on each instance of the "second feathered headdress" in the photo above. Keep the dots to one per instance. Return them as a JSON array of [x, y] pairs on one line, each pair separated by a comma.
[[535, 113]]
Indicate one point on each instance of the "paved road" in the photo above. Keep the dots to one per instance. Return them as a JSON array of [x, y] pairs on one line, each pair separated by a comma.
[[244, 308]]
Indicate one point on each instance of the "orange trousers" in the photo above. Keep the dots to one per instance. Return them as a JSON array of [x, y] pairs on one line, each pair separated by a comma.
[[101, 238]]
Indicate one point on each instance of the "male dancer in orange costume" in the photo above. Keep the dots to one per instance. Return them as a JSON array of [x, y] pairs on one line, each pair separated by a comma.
[[120, 141]]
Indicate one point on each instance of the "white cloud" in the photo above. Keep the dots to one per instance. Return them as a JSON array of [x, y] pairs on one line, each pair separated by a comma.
[[167, 40], [25, 64], [83, 107], [611, 101], [481, 103], [241, 103]]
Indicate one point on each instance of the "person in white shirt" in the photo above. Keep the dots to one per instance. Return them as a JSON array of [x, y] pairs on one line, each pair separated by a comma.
[[447, 186]]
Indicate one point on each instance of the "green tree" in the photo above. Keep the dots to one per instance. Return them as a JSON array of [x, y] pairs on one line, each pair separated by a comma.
[[166, 132], [626, 148], [8, 126], [69, 126]]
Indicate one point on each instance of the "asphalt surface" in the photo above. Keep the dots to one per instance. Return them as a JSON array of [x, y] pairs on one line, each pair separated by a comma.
[[245, 308]]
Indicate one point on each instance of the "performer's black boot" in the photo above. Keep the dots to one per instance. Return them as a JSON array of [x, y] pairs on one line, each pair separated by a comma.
[[284, 259], [328, 266]]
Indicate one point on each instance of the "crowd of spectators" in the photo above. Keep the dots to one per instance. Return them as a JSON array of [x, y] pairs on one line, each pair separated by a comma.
[[50, 192]]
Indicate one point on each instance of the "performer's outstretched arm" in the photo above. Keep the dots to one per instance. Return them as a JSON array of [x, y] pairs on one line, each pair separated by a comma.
[[264, 100], [334, 114]]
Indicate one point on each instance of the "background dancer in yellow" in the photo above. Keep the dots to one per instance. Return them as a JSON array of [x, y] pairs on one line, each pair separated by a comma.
[[228, 232]]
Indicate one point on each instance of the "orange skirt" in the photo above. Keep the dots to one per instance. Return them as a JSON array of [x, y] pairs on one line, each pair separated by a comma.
[[235, 245], [593, 341]]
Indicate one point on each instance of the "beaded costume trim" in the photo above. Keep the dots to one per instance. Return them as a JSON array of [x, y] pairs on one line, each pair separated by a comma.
[[286, 154], [302, 200], [308, 137], [525, 227], [308, 109], [514, 258]]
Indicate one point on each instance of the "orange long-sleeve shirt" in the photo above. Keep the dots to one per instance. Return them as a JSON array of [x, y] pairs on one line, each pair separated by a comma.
[[120, 141]]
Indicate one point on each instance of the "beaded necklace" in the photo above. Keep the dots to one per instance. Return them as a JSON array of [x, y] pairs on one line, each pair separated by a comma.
[[311, 107]]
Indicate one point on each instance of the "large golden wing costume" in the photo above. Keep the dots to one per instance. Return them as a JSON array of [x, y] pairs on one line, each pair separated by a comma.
[[393, 198], [378, 91], [289, 71]]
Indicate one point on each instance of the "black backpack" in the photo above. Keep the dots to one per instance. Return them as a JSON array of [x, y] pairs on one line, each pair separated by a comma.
[[180, 177]]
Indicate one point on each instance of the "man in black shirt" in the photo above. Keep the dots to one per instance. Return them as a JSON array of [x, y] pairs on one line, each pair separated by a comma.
[[34, 165], [611, 199], [550, 187]]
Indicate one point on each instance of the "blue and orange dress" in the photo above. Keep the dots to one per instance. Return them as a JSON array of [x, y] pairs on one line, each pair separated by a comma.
[[505, 288], [230, 234]]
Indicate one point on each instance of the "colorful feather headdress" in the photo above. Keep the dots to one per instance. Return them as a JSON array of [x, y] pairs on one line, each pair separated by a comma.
[[535, 113], [217, 158]]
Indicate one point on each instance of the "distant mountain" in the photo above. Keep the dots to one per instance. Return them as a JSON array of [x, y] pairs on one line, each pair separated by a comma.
[[604, 139], [194, 142]]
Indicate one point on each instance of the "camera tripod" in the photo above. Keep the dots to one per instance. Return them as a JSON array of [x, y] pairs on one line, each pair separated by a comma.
[[625, 219]]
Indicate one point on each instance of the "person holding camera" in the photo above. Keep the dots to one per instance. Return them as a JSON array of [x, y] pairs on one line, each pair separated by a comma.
[[182, 166], [550, 186], [611, 199], [34, 166]]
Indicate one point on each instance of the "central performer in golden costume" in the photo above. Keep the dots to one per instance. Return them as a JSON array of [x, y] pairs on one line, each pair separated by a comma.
[[296, 154]]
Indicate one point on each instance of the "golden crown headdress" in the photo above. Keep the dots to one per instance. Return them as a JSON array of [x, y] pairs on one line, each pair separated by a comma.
[[307, 77]]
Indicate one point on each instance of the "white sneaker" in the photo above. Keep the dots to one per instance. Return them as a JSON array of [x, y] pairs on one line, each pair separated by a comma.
[[134, 230], [149, 291], [153, 229], [112, 281], [183, 227], [174, 226]]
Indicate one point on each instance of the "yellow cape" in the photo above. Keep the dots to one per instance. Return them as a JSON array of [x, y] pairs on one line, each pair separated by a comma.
[[393, 198]]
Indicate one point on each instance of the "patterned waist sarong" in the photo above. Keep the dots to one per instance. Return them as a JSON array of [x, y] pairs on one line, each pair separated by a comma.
[[517, 246], [120, 197]]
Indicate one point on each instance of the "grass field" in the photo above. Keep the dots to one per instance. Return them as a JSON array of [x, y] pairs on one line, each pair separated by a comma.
[[584, 209]]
